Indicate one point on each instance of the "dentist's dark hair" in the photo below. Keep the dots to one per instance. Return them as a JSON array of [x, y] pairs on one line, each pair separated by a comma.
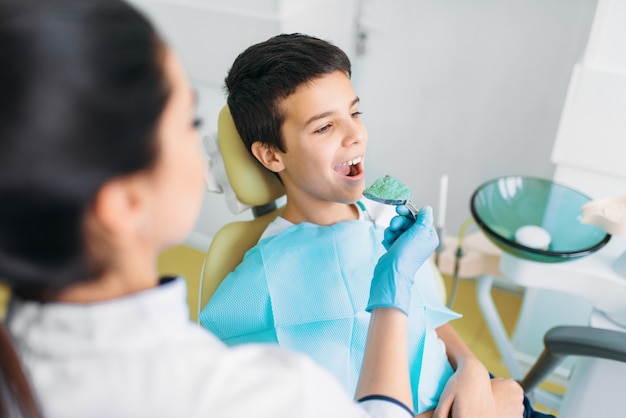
[[82, 88], [270, 71]]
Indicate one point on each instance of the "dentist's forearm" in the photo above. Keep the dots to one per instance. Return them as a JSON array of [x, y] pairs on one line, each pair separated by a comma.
[[385, 369]]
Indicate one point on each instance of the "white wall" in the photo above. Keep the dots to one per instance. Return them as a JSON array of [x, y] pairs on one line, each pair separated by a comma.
[[471, 88]]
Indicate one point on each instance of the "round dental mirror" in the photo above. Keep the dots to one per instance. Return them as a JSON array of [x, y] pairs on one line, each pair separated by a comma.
[[535, 219]]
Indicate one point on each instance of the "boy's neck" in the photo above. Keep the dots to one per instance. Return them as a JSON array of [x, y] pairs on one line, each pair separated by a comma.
[[322, 213]]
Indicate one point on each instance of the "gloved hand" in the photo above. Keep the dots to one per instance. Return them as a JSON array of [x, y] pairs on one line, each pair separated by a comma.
[[398, 225], [409, 244]]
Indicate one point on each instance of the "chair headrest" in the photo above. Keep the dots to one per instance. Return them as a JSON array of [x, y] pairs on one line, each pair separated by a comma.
[[252, 183]]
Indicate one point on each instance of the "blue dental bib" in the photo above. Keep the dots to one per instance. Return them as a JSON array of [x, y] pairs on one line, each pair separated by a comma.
[[307, 288]]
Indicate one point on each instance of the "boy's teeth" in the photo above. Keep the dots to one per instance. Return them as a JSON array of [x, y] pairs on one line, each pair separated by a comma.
[[349, 168]]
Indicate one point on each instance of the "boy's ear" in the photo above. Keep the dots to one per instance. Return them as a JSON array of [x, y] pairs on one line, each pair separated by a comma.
[[268, 156]]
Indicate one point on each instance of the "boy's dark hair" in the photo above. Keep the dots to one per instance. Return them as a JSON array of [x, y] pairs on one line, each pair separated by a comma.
[[270, 71]]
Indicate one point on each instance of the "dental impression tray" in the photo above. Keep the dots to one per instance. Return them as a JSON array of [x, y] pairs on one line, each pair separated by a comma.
[[391, 191], [388, 190]]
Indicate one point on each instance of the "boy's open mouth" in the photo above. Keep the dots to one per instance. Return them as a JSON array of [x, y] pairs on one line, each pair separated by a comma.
[[350, 168]]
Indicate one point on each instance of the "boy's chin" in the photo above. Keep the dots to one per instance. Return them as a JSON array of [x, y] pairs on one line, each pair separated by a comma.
[[351, 200]]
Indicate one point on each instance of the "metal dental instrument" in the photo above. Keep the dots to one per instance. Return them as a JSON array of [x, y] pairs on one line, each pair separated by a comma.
[[408, 203]]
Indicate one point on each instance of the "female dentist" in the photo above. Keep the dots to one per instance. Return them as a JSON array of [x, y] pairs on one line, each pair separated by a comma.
[[100, 170]]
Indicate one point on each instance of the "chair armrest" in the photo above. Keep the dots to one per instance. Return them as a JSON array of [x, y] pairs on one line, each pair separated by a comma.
[[565, 341]]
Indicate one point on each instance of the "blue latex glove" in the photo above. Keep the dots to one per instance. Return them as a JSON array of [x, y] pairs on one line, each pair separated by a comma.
[[398, 225], [409, 244]]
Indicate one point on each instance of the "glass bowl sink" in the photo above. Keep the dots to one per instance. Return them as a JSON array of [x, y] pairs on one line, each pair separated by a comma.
[[504, 205]]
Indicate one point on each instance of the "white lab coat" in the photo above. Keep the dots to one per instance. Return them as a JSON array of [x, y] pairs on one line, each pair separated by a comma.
[[140, 356]]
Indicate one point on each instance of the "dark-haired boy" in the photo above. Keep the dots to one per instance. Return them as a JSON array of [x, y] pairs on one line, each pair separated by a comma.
[[305, 284]]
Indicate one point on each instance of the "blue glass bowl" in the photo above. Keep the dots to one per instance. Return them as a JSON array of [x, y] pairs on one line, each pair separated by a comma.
[[503, 205]]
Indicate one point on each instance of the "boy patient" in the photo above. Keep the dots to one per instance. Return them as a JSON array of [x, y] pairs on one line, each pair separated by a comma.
[[305, 285]]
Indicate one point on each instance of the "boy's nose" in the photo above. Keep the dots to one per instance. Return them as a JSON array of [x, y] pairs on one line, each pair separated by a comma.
[[355, 133]]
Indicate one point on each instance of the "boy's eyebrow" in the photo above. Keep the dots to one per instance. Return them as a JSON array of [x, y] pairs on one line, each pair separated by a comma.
[[325, 114]]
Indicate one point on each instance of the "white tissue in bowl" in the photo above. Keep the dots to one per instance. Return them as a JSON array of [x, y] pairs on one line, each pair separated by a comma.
[[533, 236]]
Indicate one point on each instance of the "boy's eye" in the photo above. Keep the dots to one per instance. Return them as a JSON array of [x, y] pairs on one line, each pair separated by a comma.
[[356, 114], [197, 123], [322, 129]]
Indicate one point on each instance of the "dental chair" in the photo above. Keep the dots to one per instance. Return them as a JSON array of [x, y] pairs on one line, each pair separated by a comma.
[[247, 185], [602, 355]]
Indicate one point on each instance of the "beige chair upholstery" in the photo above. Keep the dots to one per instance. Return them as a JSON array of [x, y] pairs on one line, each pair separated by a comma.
[[253, 185]]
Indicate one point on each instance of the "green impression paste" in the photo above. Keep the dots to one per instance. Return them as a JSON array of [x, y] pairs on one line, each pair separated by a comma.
[[388, 188]]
